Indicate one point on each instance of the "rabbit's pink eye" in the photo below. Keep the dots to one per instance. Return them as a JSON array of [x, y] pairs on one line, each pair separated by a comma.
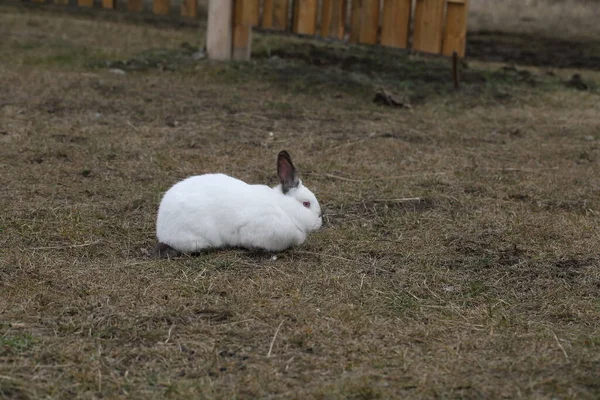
[[306, 204]]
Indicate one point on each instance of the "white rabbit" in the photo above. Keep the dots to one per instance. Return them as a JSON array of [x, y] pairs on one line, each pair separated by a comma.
[[216, 210]]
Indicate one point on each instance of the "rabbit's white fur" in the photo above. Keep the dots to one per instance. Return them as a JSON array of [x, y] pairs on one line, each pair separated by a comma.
[[216, 210]]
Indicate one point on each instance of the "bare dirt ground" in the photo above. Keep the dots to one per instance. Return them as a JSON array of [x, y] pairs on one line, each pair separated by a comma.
[[550, 34], [486, 287]]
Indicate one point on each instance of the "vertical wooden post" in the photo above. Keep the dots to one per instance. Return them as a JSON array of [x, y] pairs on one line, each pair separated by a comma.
[[429, 21], [455, 33], [305, 17], [189, 8], [455, 74], [135, 5], [333, 18], [62, 2], [218, 31], [161, 7], [395, 23], [85, 3]]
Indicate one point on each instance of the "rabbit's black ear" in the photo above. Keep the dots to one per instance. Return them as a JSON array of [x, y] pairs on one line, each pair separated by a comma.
[[286, 171]]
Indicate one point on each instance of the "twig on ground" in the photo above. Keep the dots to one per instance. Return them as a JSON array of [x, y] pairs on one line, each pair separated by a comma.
[[403, 200], [346, 144], [516, 169], [394, 177], [325, 255], [137, 263], [135, 128], [560, 345], [274, 337], [234, 322], [341, 178], [382, 178], [71, 246], [169, 334]]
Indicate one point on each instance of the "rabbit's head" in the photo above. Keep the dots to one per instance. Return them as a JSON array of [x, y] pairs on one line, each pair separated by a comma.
[[308, 210]]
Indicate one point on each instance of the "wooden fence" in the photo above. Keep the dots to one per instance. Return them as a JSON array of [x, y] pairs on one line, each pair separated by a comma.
[[438, 26]]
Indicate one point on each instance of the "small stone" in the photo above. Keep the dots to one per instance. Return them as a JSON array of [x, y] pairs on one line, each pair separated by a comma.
[[386, 98], [117, 71], [198, 55], [576, 82]]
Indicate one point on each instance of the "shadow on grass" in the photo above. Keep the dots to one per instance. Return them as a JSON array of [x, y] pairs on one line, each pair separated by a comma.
[[329, 69], [533, 50]]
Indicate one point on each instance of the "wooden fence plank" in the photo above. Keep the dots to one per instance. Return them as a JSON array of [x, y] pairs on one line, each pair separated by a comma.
[[189, 8], [244, 17], [275, 14], [61, 2], [135, 5], [85, 3], [253, 11], [344, 16], [218, 31], [395, 23], [428, 26], [305, 17], [326, 16], [161, 7], [355, 20], [38, 1], [455, 34], [333, 18], [267, 17], [370, 22], [242, 39], [109, 4], [364, 21], [280, 14]]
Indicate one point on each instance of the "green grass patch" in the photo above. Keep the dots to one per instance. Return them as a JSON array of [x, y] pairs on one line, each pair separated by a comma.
[[13, 344]]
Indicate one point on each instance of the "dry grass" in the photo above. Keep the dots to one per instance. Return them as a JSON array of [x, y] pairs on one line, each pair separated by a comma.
[[487, 288]]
